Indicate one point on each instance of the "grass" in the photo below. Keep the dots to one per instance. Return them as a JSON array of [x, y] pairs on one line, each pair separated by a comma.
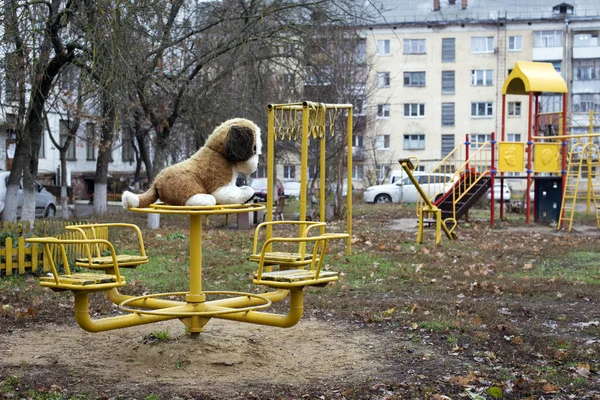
[[468, 295]]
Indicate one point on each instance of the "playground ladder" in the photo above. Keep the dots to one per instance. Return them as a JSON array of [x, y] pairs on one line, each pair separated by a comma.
[[582, 158]]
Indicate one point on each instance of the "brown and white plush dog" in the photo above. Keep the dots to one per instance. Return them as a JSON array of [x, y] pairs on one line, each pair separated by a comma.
[[208, 177]]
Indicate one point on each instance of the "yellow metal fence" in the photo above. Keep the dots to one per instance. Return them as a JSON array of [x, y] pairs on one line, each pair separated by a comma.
[[25, 257]]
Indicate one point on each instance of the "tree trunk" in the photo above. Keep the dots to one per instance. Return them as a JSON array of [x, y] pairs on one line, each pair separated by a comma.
[[64, 197], [104, 154]]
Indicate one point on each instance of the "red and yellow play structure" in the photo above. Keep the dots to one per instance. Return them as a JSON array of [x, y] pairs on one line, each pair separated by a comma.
[[574, 158]]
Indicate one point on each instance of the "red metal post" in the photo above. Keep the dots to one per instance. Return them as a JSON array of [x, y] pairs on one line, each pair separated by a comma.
[[492, 173], [502, 138]]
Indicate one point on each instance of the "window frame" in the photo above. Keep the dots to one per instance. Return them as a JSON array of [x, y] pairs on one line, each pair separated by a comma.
[[446, 89], [489, 109], [414, 46], [514, 109], [410, 139], [383, 47], [415, 79], [63, 134], [289, 171], [383, 80], [383, 111], [517, 45], [489, 42], [386, 139], [420, 108], [487, 80]]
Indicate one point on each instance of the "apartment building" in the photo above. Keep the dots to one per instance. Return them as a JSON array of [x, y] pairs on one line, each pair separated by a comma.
[[439, 67]]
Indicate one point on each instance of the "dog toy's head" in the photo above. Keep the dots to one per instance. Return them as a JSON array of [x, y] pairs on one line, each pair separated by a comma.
[[238, 140]]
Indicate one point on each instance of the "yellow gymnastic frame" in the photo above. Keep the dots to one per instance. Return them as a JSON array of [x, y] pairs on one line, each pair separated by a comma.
[[305, 121]]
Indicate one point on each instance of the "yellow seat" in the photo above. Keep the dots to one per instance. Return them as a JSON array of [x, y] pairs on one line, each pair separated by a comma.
[[285, 260], [91, 282], [313, 275], [93, 259]]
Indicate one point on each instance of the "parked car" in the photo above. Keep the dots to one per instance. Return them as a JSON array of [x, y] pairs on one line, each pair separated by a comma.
[[404, 190], [260, 188], [45, 202], [497, 189], [291, 189]]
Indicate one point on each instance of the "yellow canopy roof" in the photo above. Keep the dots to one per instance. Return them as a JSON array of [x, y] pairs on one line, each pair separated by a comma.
[[529, 76]]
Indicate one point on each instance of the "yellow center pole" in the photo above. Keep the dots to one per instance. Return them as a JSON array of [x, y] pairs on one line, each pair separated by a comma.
[[195, 295], [270, 167]]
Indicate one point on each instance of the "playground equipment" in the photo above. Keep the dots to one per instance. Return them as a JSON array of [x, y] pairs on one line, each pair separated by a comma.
[[297, 269], [475, 166], [409, 165]]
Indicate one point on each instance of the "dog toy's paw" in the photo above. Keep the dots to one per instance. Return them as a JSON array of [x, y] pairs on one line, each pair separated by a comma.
[[201, 200], [246, 194], [129, 200]]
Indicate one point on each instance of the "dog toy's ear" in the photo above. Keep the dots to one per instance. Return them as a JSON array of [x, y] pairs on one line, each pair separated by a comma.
[[239, 145]]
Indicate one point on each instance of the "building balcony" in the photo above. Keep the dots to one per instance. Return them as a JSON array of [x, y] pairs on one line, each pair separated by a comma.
[[586, 52], [587, 86], [547, 53], [358, 154]]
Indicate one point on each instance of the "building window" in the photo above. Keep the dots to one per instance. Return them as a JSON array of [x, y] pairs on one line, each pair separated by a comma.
[[482, 44], [414, 110], [64, 134], [513, 137], [414, 46], [515, 43], [447, 114], [313, 171], [414, 79], [586, 70], [448, 50], [261, 172], [357, 140], [551, 103], [447, 144], [482, 109], [42, 153], [448, 82], [514, 108], [583, 103], [383, 110], [127, 153], [383, 48], [289, 79], [358, 171], [482, 77], [359, 106], [547, 38], [383, 79], [90, 133], [414, 142], [479, 139], [585, 40], [68, 78], [289, 172], [382, 142], [382, 172]]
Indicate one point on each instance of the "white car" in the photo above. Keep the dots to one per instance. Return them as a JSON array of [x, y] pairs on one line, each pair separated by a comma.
[[45, 202], [291, 189], [497, 188], [404, 190]]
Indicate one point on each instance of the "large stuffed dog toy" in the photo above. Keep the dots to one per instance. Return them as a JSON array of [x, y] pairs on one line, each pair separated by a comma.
[[208, 177]]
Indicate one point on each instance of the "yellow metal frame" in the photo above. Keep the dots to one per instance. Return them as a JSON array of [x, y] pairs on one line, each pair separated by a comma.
[[194, 310], [94, 259], [409, 165], [308, 120]]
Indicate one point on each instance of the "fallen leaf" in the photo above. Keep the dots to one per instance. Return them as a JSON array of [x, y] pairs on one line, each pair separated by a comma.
[[550, 388]]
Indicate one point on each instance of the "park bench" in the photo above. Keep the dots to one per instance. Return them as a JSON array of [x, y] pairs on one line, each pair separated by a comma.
[[310, 273], [96, 257], [88, 281]]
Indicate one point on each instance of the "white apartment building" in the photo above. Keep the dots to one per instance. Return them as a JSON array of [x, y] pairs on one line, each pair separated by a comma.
[[440, 66]]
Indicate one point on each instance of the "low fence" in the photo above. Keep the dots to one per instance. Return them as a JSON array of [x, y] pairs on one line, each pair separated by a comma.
[[18, 257]]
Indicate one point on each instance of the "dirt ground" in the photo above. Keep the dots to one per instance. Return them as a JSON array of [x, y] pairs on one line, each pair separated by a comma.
[[534, 339]]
